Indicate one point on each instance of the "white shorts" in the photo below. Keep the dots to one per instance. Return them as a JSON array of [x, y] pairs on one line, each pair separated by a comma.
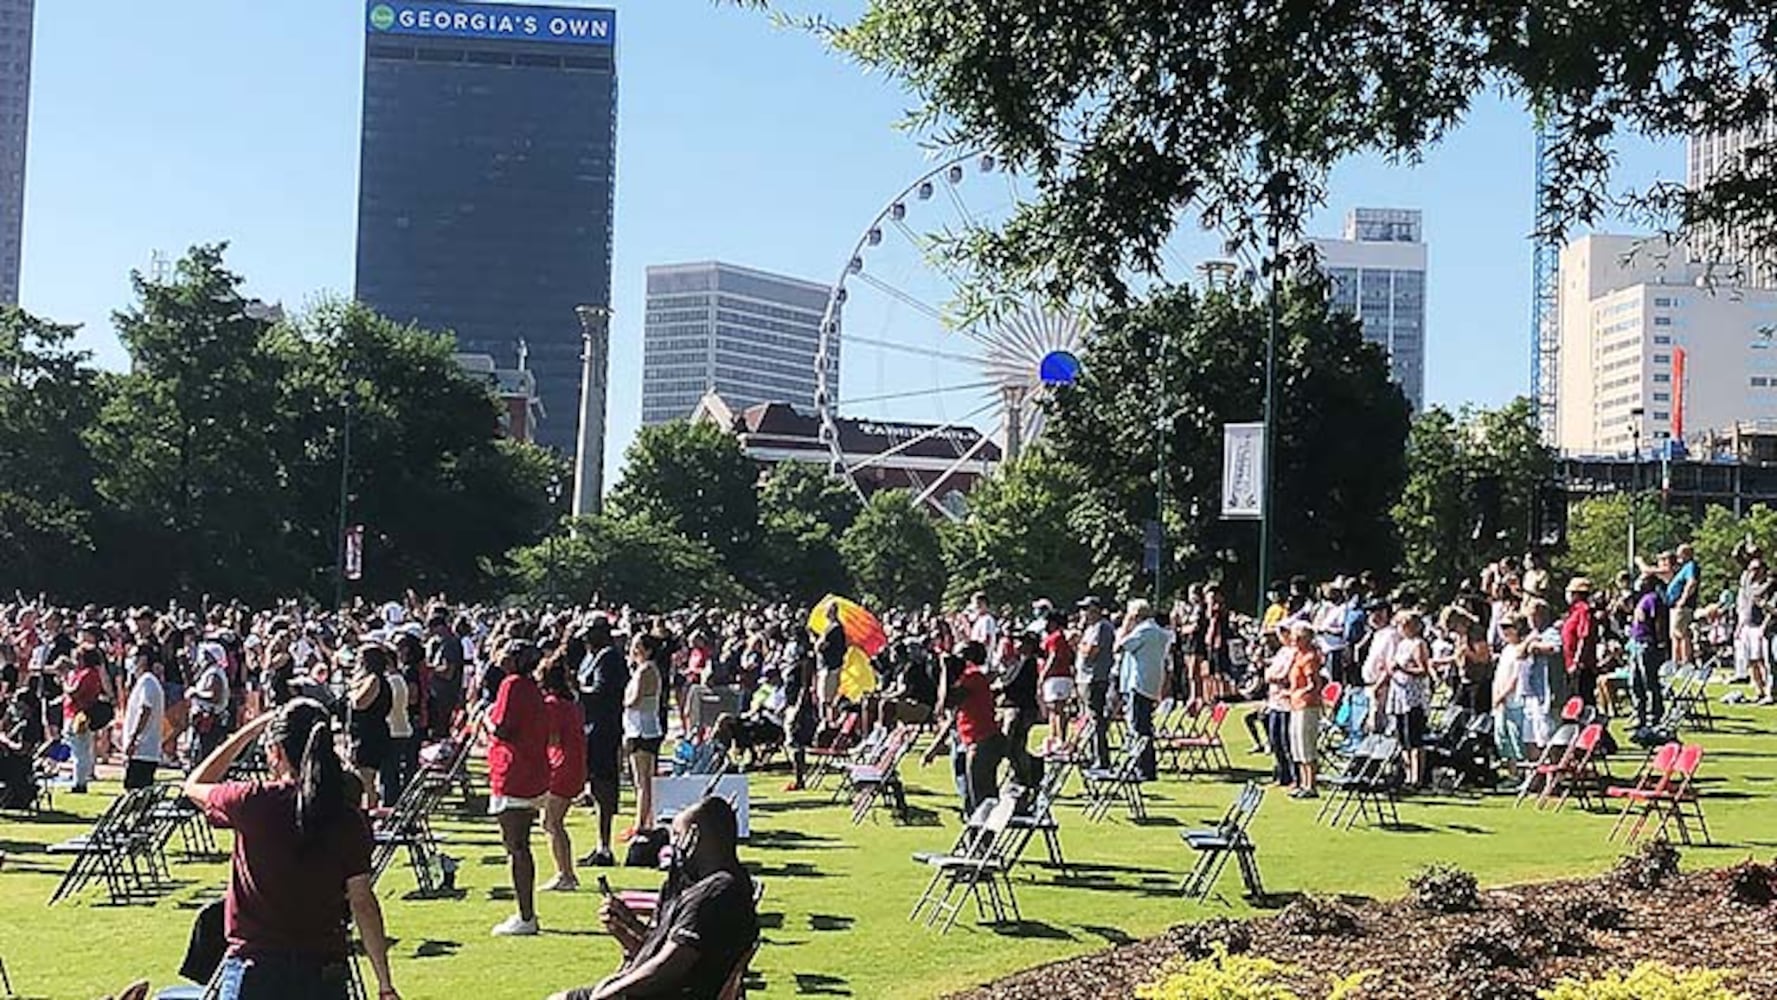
[[497, 804], [1749, 644], [1058, 689], [1536, 721]]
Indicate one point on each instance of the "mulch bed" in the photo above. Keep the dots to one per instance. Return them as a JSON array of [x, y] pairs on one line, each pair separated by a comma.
[[1520, 939]]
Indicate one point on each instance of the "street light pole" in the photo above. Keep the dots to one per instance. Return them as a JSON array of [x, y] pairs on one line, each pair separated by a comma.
[[1270, 419], [345, 472], [1634, 482]]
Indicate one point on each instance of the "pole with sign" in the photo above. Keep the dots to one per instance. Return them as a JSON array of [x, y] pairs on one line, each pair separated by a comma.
[[1243, 472]]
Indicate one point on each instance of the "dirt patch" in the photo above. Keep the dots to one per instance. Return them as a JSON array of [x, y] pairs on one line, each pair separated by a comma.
[[1518, 940]]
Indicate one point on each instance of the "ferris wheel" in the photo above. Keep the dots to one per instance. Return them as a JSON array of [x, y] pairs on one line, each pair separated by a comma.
[[910, 393]]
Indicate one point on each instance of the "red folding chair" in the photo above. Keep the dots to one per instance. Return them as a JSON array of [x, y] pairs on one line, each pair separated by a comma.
[[1205, 750], [1331, 694], [1670, 802], [835, 755], [1576, 772], [1655, 777]]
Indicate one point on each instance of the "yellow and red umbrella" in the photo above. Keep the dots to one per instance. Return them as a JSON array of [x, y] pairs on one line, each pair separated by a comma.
[[862, 629]]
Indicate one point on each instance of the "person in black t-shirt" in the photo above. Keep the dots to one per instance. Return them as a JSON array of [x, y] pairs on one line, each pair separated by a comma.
[[603, 675], [706, 924]]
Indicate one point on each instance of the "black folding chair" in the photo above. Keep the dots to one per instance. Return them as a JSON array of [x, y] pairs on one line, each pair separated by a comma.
[[1040, 818], [1122, 780], [1230, 836], [112, 851], [979, 872]]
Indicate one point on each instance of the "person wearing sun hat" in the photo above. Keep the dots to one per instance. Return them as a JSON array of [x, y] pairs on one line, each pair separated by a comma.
[[1579, 641]]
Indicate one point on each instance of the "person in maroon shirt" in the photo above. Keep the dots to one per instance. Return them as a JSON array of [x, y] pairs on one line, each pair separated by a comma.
[[518, 774], [301, 863], [81, 691], [984, 745], [567, 765]]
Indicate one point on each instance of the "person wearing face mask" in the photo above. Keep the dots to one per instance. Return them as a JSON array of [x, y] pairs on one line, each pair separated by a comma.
[[706, 922]]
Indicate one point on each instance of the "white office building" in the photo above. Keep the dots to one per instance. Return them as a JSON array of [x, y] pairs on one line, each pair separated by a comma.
[[1378, 273], [1649, 353], [15, 108], [747, 335], [1730, 250]]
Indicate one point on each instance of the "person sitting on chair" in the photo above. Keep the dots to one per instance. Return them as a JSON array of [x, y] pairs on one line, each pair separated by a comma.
[[705, 925]]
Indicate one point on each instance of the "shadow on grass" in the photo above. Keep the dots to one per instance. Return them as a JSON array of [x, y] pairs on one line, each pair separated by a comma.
[[789, 869], [790, 840], [818, 984], [1111, 935], [830, 922], [417, 895], [1032, 930], [436, 949]]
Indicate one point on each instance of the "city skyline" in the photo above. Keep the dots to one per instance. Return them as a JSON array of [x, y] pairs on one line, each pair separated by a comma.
[[718, 161]]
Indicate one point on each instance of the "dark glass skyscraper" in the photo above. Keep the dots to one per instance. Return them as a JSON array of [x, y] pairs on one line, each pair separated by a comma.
[[485, 187]]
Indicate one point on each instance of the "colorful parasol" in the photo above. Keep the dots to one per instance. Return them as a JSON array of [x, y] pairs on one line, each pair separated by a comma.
[[862, 630]]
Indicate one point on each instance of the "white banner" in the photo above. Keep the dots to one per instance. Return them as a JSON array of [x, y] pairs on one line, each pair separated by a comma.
[[1243, 471], [355, 552]]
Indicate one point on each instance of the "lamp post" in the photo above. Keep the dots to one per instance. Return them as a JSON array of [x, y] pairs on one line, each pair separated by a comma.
[[1270, 419], [345, 498], [1634, 481], [589, 444]]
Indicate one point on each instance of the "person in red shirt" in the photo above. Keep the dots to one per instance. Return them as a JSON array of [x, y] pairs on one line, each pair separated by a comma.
[[1579, 641], [301, 862], [518, 774], [80, 692], [970, 698], [567, 765], [1057, 677]]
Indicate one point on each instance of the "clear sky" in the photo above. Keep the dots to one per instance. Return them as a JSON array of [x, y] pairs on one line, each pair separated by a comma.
[[158, 125]]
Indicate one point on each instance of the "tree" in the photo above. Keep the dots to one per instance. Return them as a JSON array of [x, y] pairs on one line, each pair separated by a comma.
[[441, 495], [1720, 531], [697, 480], [1016, 543], [803, 513], [1130, 113], [893, 553], [189, 443], [1471, 492], [49, 397], [1598, 534], [632, 559], [1338, 466]]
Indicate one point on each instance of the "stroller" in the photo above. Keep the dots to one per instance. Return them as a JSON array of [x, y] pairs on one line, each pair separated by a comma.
[[1464, 758]]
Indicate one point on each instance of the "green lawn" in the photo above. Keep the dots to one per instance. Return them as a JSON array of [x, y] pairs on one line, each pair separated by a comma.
[[837, 896]]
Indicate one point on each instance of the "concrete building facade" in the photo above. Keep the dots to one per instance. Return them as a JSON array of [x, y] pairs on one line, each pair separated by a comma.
[[16, 19], [1378, 270]]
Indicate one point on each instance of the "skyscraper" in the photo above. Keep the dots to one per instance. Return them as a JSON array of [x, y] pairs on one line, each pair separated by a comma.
[[15, 109], [1648, 356], [749, 335], [485, 189], [1729, 250], [1378, 275]]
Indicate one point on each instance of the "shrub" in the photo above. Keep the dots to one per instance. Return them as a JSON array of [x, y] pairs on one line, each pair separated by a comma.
[[1750, 884], [1445, 889], [1222, 976], [1485, 986], [1318, 916], [1199, 940], [1648, 981], [1481, 950], [1655, 864], [1593, 909]]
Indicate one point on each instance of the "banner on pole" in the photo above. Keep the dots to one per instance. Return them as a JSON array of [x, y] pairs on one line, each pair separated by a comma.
[[355, 552], [1243, 471]]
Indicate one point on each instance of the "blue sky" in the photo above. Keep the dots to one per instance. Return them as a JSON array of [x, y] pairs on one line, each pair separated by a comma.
[[158, 125]]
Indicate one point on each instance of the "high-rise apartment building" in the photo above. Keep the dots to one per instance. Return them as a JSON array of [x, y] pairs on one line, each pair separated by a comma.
[[1730, 250], [1378, 274], [747, 335], [1648, 355], [485, 193], [15, 114]]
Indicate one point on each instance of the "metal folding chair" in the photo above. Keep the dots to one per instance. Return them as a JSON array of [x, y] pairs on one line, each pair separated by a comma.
[[981, 872], [1230, 836]]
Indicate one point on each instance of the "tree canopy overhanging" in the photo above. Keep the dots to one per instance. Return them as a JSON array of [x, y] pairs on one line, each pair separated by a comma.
[[1133, 114]]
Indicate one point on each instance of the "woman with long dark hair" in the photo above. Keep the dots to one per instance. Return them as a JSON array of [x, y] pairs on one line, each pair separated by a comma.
[[567, 761], [518, 774], [301, 860]]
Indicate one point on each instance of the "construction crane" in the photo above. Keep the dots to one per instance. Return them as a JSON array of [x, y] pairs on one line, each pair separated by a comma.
[[1545, 327]]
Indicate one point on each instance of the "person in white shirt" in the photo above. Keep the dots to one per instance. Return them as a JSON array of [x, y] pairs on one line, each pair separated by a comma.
[[984, 628], [397, 771], [143, 718]]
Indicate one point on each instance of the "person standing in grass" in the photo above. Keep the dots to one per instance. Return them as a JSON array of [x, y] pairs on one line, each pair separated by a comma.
[[602, 680], [518, 774], [567, 766], [1306, 705], [142, 720], [642, 732], [301, 863]]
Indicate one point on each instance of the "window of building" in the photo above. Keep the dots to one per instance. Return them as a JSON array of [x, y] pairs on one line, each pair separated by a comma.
[[1662, 397], [1662, 302], [1661, 340], [1760, 381], [1662, 321], [1662, 377], [1662, 415], [1662, 359]]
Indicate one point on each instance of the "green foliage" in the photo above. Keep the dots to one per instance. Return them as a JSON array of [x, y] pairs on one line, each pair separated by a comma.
[[1016, 541], [893, 553], [1717, 535], [1135, 115], [1222, 976], [1340, 426], [1598, 533], [632, 559], [695, 479], [803, 513], [1447, 455], [1648, 981]]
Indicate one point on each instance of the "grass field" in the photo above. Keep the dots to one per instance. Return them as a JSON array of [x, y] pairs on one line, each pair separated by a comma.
[[837, 896]]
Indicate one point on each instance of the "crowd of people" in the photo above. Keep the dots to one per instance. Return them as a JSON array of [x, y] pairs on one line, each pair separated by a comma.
[[572, 704]]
